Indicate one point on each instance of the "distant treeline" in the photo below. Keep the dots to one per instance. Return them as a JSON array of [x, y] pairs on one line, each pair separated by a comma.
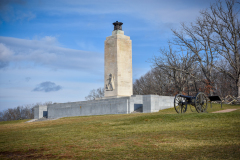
[[20, 112]]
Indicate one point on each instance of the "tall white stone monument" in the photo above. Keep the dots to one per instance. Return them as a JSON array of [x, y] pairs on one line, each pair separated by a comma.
[[118, 87], [118, 63]]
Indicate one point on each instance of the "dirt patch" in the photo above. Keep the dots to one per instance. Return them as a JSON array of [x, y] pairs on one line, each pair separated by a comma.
[[224, 111]]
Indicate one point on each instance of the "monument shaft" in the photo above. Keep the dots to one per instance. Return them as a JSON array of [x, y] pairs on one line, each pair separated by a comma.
[[118, 65]]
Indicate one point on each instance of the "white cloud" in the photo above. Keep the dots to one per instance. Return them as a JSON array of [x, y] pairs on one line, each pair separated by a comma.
[[49, 40], [5, 55], [9, 14], [46, 52], [154, 12], [5, 52], [32, 62], [24, 16]]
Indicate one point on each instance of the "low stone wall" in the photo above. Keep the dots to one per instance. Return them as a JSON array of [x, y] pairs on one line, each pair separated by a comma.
[[123, 105], [64, 110], [87, 108]]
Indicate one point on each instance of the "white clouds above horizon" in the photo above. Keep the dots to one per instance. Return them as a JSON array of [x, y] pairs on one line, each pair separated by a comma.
[[43, 65], [46, 52]]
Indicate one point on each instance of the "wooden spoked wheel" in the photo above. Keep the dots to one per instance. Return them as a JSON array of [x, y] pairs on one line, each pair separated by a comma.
[[180, 104], [201, 102]]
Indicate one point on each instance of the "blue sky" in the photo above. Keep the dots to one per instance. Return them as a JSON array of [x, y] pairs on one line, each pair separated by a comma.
[[54, 50]]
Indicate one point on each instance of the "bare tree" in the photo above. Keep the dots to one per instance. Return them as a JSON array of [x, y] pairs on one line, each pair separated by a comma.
[[20, 112], [214, 38], [95, 94], [203, 56], [153, 82], [226, 26], [177, 66]]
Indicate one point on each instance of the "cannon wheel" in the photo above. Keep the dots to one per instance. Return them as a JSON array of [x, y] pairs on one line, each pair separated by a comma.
[[180, 104], [201, 102]]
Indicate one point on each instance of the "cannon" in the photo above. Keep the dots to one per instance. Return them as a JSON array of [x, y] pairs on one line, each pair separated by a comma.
[[200, 102]]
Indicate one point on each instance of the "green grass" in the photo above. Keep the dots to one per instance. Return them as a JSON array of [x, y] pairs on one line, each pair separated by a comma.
[[14, 121], [161, 135]]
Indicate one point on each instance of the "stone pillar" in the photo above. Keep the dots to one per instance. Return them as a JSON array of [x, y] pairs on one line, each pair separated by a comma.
[[118, 64]]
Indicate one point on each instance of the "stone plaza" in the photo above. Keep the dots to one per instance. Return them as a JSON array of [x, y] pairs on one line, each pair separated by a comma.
[[118, 94]]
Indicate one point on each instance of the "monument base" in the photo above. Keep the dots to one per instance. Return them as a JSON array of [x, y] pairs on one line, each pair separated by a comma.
[[113, 105]]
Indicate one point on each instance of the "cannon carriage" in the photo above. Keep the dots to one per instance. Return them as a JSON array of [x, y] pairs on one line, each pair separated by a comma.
[[200, 102]]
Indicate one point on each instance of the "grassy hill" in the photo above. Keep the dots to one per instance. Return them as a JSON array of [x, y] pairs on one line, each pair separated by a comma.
[[161, 135]]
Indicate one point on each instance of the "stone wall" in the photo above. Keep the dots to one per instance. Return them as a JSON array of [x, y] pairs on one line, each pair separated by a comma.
[[123, 105], [87, 108]]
